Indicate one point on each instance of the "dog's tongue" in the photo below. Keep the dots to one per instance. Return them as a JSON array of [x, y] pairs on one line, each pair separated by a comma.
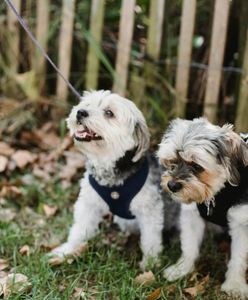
[[85, 132]]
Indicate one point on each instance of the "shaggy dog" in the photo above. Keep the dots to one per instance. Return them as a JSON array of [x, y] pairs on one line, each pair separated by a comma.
[[113, 136], [206, 169]]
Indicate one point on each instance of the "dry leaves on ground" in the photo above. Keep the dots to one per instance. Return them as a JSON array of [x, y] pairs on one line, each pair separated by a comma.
[[154, 295], [145, 278], [49, 210], [82, 293], [13, 283], [23, 157], [3, 264], [3, 163], [25, 250], [198, 288]]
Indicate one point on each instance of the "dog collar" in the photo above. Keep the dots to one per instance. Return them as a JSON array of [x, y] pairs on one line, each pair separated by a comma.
[[119, 197]]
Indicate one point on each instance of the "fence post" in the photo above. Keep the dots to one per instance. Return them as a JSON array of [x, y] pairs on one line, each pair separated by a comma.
[[124, 46], [242, 110], [184, 55], [218, 40], [14, 41], [42, 28], [96, 24], [154, 38], [65, 46], [155, 28]]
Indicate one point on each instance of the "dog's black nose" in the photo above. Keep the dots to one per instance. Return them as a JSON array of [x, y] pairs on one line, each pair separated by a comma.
[[82, 114], [174, 186]]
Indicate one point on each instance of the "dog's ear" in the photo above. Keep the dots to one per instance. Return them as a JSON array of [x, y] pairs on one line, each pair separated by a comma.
[[142, 138], [237, 152]]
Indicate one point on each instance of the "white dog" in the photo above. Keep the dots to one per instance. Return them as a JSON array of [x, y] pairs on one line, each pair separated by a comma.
[[207, 171], [113, 136]]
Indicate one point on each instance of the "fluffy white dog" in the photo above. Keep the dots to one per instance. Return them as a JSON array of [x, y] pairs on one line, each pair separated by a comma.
[[206, 169], [113, 136]]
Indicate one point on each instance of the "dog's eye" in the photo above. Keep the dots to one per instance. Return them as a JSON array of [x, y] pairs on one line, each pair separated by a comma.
[[108, 113], [197, 167], [172, 167]]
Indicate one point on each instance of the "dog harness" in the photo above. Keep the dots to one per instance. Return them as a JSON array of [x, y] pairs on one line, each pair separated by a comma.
[[119, 197], [229, 196]]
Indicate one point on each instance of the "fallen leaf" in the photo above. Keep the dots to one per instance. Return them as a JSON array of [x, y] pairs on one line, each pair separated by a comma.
[[7, 214], [23, 158], [154, 295], [41, 174], [146, 278], [198, 288], [67, 172], [3, 264], [5, 149], [3, 163], [50, 210], [192, 291], [171, 288], [10, 191], [79, 293], [25, 250], [14, 283], [82, 293]]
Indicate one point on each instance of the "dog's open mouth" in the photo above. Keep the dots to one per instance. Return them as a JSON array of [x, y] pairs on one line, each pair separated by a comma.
[[86, 135]]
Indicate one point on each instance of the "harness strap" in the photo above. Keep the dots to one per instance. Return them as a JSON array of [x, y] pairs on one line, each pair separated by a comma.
[[119, 198]]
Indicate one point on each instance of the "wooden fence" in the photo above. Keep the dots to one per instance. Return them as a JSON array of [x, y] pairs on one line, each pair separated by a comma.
[[153, 48]]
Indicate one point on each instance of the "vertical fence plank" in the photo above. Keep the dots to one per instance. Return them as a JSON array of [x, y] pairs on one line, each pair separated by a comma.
[[65, 46], [242, 110], [154, 38], [155, 29], [42, 27], [96, 24], [184, 55], [14, 41], [218, 40], [124, 46]]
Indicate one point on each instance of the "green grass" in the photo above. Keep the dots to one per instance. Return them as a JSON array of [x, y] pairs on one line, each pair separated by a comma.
[[107, 270]]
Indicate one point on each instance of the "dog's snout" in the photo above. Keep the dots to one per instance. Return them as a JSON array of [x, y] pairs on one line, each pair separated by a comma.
[[174, 186], [82, 113]]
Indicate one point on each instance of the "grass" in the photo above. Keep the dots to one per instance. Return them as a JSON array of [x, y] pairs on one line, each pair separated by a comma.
[[106, 270]]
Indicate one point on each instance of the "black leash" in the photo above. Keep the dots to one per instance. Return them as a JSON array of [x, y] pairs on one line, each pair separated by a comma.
[[25, 27]]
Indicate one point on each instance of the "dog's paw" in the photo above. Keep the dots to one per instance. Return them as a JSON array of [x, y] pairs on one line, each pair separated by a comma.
[[149, 262], [62, 250], [180, 269], [235, 289]]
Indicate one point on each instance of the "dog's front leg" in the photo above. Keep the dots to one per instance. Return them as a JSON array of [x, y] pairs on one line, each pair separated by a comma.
[[192, 231], [235, 283], [87, 215], [151, 227]]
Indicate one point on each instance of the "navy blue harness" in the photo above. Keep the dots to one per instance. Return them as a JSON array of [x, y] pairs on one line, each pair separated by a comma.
[[119, 197]]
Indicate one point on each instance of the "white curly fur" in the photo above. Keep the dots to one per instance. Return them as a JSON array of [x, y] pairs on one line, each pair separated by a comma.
[[125, 131]]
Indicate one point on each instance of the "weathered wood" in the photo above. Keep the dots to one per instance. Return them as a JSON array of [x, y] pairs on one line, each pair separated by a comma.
[[184, 55], [65, 47], [218, 41], [242, 110], [96, 25], [124, 46], [14, 34], [42, 28], [154, 39], [155, 28]]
